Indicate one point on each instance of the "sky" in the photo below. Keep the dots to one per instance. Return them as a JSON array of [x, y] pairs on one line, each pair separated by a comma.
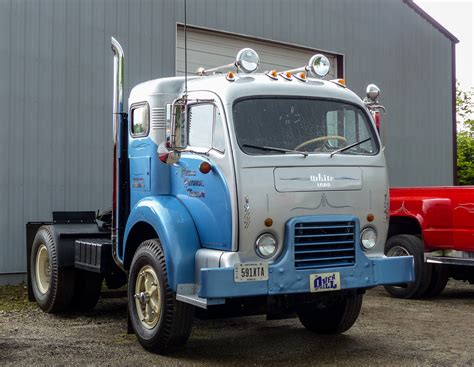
[[457, 17]]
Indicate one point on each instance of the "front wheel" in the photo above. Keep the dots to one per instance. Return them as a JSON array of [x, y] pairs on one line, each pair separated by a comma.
[[405, 245], [333, 315], [159, 321]]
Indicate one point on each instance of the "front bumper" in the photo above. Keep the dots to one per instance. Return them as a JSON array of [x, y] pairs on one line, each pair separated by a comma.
[[284, 278], [219, 282]]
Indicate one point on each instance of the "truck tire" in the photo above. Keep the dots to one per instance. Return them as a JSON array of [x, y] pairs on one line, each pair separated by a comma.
[[331, 317], [439, 279], [87, 289], [52, 285], [159, 321], [404, 245]]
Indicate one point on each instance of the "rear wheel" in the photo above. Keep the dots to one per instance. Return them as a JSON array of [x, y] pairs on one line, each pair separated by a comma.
[[333, 315], [159, 321], [405, 245], [52, 286]]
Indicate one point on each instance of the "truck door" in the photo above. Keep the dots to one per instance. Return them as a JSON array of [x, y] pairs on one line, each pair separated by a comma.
[[209, 196]]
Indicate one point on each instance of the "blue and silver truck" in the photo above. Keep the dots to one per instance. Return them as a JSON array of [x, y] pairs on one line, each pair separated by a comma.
[[234, 193]]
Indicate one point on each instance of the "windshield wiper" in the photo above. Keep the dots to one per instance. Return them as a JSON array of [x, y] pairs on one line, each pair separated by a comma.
[[349, 147], [275, 149]]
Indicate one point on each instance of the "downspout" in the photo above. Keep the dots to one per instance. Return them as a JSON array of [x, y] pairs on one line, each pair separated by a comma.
[[117, 111], [453, 111]]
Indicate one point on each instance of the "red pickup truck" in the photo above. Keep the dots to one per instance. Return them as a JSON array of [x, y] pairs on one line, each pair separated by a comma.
[[436, 226]]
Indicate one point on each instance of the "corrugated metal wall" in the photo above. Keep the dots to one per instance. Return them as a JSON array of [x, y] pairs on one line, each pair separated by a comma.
[[56, 87]]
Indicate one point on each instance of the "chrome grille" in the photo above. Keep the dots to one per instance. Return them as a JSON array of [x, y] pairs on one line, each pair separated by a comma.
[[324, 244]]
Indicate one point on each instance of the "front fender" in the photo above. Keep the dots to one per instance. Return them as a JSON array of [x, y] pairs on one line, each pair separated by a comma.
[[176, 230]]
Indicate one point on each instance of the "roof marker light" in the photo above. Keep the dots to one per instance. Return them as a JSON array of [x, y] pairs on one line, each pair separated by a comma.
[[230, 76], [340, 82], [286, 75], [301, 76], [272, 74]]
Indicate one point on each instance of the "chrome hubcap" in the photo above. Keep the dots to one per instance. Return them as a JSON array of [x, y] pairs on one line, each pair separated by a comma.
[[148, 297], [43, 269], [398, 251]]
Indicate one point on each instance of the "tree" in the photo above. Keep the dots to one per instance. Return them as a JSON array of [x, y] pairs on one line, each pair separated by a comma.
[[465, 136]]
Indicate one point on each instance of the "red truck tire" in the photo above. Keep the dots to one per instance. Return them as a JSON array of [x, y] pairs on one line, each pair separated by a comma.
[[403, 245]]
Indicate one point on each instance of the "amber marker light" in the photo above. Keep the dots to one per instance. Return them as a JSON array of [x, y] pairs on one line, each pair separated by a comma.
[[268, 222], [272, 74], [230, 76], [286, 75], [301, 76], [205, 167], [370, 217], [340, 82]]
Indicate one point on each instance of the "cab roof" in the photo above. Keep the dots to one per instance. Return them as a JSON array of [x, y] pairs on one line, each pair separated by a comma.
[[244, 85]]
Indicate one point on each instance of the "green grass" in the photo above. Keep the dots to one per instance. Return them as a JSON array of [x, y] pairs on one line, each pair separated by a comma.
[[14, 298]]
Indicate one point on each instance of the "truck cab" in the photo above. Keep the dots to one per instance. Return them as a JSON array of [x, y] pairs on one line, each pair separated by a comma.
[[240, 192]]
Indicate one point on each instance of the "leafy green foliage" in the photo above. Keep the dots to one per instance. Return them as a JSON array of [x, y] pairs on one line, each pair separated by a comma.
[[465, 136]]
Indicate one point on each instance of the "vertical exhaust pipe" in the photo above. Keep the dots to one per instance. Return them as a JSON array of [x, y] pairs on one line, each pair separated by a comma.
[[117, 111]]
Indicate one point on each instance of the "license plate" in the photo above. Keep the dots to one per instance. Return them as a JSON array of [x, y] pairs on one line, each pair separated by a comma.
[[325, 282], [250, 272]]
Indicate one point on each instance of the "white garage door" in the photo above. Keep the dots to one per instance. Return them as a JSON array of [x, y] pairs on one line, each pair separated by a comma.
[[210, 49]]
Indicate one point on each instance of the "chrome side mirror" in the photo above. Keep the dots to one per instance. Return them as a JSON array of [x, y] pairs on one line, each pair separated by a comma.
[[176, 136], [179, 127], [167, 155]]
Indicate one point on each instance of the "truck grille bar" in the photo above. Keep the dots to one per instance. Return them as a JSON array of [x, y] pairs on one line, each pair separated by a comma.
[[324, 245]]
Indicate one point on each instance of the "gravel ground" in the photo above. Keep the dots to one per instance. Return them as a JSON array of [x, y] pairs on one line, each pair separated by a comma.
[[389, 332]]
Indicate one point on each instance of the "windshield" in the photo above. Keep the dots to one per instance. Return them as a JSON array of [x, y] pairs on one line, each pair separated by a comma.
[[301, 124]]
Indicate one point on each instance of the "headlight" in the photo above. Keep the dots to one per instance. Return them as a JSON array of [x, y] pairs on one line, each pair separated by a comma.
[[266, 245], [368, 238]]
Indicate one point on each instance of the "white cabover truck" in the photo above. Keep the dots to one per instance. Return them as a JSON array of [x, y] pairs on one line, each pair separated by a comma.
[[234, 193]]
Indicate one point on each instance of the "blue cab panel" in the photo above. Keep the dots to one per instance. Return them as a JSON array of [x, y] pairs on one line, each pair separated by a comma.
[[207, 198], [176, 231], [148, 176]]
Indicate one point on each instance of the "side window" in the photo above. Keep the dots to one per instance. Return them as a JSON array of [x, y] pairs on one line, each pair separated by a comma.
[[218, 138], [201, 118], [140, 121], [206, 128]]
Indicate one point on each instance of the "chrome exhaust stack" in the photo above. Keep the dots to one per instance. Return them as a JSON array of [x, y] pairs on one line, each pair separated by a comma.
[[118, 84], [117, 116]]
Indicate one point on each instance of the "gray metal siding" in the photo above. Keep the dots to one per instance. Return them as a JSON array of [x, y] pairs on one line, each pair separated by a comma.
[[56, 92]]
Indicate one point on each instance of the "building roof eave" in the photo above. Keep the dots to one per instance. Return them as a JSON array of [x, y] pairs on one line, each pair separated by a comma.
[[431, 20]]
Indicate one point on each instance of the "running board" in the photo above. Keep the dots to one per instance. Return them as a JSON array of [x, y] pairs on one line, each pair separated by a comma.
[[187, 293], [463, 261]]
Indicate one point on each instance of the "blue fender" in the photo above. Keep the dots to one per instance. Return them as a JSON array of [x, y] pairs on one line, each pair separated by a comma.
[[176, 230]]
